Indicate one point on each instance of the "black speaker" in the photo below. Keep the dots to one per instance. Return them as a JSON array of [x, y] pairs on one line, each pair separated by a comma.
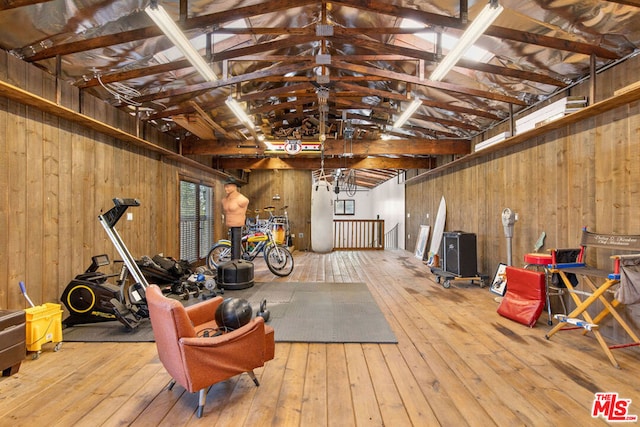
[[459, 253]]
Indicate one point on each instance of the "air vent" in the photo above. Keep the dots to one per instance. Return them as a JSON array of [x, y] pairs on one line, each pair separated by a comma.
[[324, 30]]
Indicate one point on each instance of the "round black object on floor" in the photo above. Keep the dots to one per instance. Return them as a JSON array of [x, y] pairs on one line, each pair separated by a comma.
[[235, 274], [233, 313]]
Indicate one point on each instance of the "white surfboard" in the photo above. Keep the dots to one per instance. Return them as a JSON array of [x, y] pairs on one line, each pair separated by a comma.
[[321, 217], [438, 230]]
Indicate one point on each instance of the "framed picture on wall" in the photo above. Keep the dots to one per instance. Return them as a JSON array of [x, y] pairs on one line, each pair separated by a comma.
[[499, 282], [344, 207]]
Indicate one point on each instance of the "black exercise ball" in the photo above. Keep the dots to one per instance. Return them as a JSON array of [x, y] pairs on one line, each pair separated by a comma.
[[233, 313]]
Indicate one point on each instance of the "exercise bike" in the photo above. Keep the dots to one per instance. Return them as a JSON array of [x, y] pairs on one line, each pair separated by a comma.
[[90, 298]]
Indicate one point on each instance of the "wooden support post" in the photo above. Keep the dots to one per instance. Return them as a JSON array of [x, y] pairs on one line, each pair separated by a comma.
[[58, 73], [512, 121], [592, 80]]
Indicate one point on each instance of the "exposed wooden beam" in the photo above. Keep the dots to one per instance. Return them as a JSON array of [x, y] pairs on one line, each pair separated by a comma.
[[204, 21], [436, 85], [403, 97], [12, 4], [306, 163], [436, 20], [203, 87], [391, 147], [217, 19], [442, 121], [208, 119], [430, 57], [635, 3], [178, 65]]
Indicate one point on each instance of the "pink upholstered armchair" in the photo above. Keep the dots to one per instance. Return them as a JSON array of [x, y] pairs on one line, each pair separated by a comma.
[[197, 362]]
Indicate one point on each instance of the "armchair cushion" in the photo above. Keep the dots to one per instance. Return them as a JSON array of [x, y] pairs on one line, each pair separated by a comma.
[[525, 296]]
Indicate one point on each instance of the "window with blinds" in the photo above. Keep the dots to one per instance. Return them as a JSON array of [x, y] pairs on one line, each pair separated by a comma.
[[196, 220]]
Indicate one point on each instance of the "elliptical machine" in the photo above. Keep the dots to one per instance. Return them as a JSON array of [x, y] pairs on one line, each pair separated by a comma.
[[90, 298]]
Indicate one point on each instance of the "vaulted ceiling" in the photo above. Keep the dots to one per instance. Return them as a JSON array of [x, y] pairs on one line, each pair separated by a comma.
[[284, 59]]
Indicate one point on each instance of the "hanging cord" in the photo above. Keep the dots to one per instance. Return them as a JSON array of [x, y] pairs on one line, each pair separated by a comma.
[[121, 92], [323, 96]]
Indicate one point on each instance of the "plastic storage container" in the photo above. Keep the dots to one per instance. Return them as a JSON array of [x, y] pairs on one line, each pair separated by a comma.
[[44, 325]]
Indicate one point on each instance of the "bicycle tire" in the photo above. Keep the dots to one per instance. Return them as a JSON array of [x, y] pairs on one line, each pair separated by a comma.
[[219, 253], [350, 182], [279, 260]]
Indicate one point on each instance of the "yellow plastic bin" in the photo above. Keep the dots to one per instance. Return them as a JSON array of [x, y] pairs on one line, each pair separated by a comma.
[[44, 325]]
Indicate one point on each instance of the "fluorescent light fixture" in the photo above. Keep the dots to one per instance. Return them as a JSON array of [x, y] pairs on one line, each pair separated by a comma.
[[408, 113], [239, 112], [447, 41], [470, 36], [177, 37]]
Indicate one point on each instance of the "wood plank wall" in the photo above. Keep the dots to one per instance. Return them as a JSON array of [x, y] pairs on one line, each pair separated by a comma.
[[294, 188], [586, 174], [55, 179]]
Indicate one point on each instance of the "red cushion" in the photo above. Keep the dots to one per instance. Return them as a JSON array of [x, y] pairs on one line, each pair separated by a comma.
[[538, 259], [525, 297]]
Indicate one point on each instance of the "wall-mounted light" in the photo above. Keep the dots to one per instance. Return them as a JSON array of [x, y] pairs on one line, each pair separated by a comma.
[[235, 107], [177, 37], [470, 36], [407, 113]]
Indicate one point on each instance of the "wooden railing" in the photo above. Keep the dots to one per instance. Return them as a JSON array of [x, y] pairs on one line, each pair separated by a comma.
[[353, 234]]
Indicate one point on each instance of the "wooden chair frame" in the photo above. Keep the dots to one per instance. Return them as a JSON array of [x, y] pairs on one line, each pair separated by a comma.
[[595, 292]]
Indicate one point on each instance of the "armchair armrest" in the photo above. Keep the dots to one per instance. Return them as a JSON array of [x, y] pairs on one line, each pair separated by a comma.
[[204, 311], [616, 264], [214, 359]]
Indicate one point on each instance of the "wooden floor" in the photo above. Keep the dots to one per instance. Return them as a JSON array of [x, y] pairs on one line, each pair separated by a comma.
[[457, 363]]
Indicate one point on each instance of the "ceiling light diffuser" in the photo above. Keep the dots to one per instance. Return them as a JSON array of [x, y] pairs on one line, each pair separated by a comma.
[[470, 36], [177, 37], [239, 112], [408, 113]]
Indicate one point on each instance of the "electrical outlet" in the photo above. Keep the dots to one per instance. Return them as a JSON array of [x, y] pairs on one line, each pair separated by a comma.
[[129, 216]]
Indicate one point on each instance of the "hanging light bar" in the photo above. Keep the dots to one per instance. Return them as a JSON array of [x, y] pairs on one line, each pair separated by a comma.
[[407, 113], [470, 36], [239, 112], [177, 37]]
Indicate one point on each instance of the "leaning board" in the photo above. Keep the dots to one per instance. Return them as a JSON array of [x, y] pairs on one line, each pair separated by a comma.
[[438, 228]]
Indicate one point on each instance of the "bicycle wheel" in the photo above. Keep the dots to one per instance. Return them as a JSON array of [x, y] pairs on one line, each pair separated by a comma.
[[350, 182], [219, 253], [279, 260]]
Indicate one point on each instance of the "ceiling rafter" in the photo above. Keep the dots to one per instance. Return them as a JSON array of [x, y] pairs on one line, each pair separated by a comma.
[[417, 80], [201, 87], [495, 31], [198, 22], [369, 65]]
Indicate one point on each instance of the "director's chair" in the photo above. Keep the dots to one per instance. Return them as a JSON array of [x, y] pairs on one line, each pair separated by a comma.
[[594, 292]]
